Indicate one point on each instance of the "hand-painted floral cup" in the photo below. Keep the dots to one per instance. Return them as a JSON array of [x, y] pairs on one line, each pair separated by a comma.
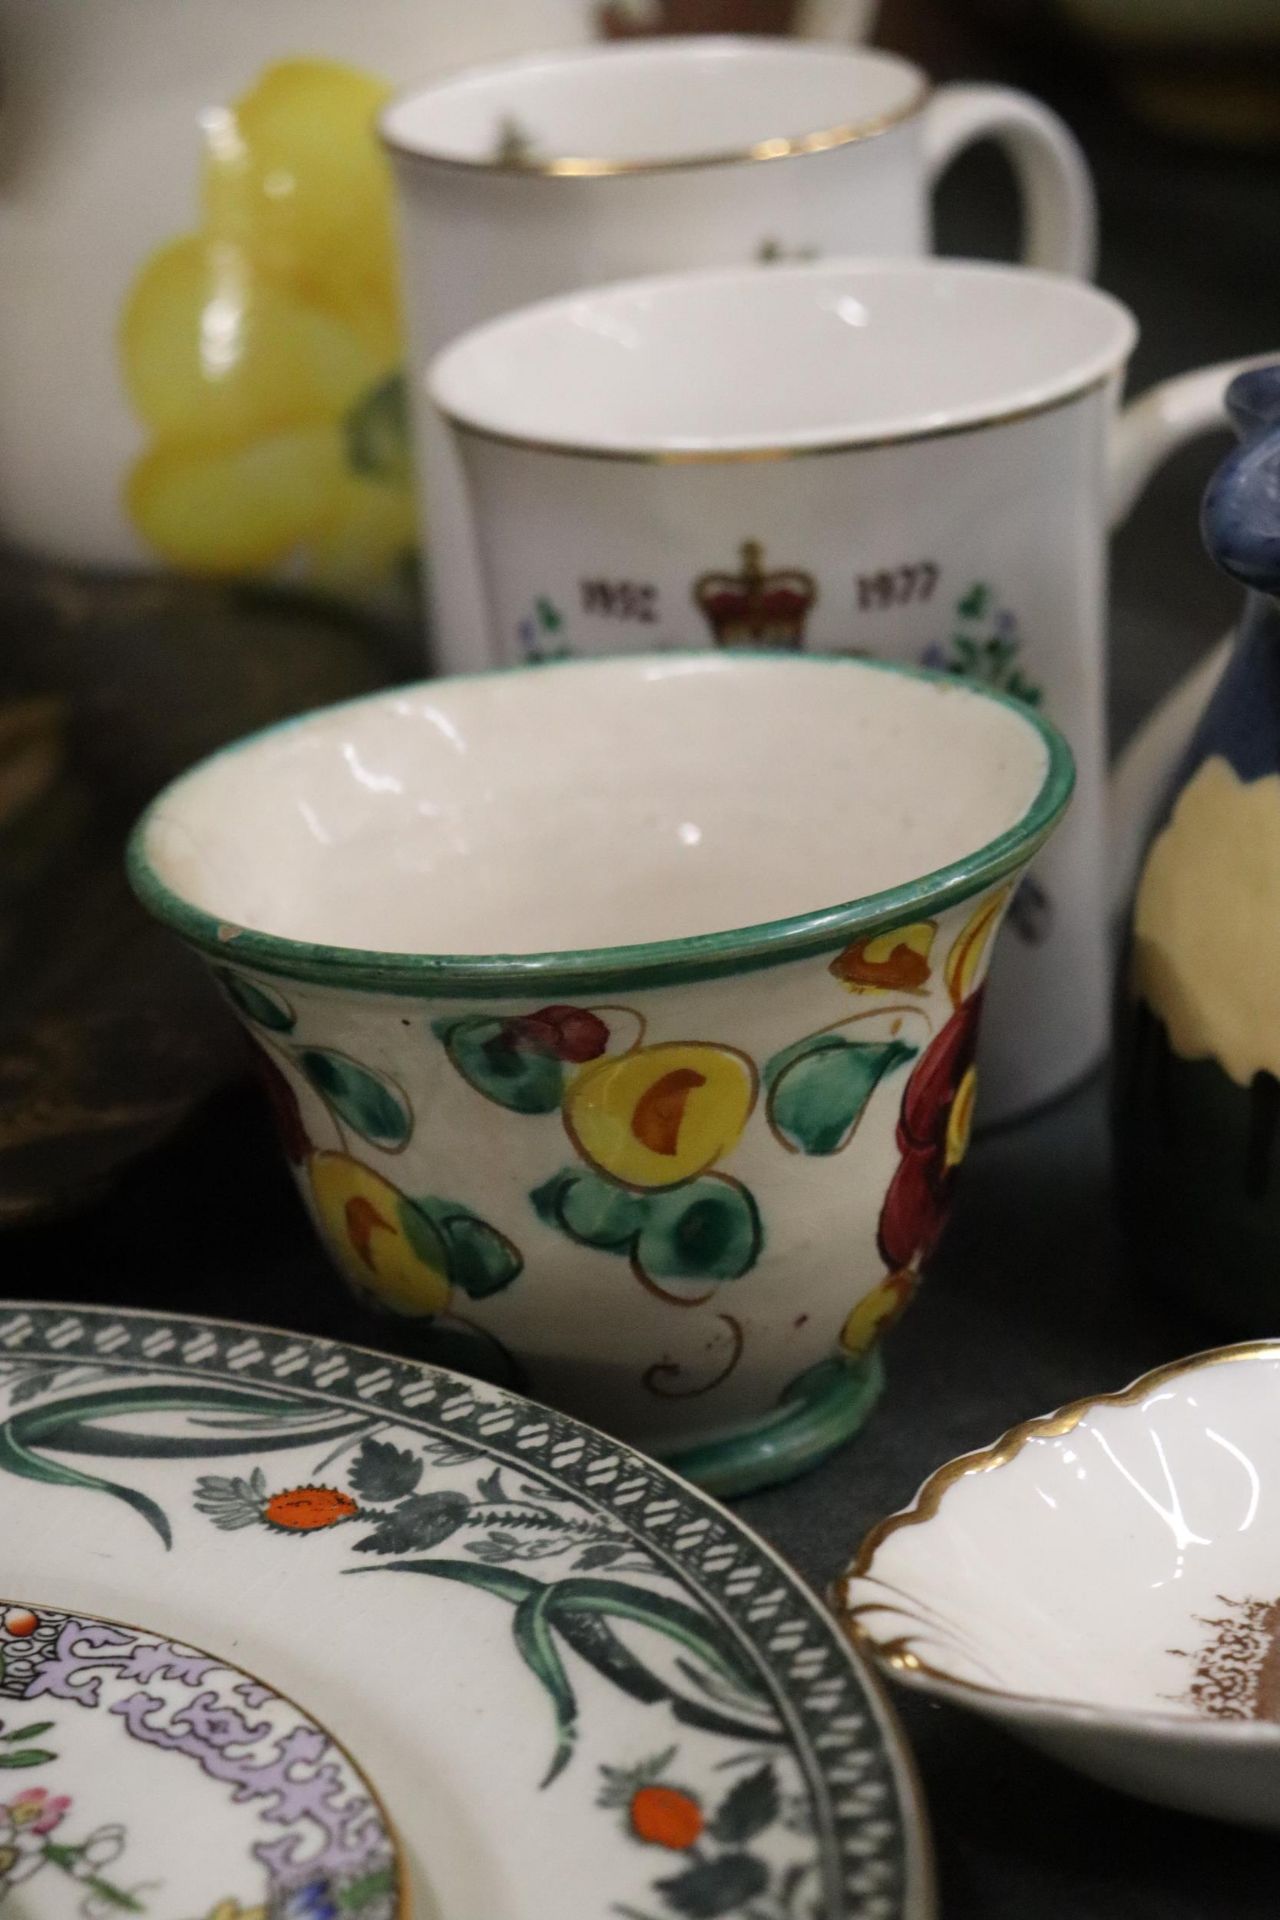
[[620, 1015]]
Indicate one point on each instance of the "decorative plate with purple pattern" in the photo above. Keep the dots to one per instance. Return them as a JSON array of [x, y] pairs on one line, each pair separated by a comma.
[[138, 1775], [577, 1685]]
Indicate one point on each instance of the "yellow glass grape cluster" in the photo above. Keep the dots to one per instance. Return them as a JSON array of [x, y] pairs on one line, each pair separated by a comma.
[[262, 352]]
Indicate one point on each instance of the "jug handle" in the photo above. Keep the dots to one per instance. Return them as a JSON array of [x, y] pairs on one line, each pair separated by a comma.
[[1059, 209], [1146, 433]]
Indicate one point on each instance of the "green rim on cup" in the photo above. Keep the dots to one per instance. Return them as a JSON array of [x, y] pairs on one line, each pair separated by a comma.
[[654, 963]]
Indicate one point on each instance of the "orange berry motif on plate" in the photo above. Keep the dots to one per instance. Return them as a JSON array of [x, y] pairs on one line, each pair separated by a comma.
[[666, 1817], [308, 1509]]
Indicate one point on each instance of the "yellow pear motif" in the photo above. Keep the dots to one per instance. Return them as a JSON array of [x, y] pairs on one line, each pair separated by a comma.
[[875, 1312], [969, 949], [960, 1119], [384, 1244], [661, 1114]]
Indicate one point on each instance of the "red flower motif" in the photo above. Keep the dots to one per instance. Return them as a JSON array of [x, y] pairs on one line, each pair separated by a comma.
[[37, 1808], [283, 1102], [571, 1034], [919, 1197]]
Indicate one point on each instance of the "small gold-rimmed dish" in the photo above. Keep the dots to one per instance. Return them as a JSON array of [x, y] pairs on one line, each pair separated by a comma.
[[1105, 1582]]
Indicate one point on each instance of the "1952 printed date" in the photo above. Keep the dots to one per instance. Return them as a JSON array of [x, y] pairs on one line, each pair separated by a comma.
[[620, 600]]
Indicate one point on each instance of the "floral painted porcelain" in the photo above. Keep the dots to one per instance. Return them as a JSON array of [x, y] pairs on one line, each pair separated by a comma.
[[158, 1778], [674, 1176], [1198, 1086], [1105, 1582], [557, 1665]]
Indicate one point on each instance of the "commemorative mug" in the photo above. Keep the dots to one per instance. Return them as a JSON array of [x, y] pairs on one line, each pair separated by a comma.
[[916, 459], [567, 170], [652, 1104]]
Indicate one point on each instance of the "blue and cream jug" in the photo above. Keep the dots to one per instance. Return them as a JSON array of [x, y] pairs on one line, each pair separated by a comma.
[[1197, 1105]]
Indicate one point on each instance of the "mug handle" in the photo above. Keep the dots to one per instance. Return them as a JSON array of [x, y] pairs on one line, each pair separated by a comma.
[[1146, 433], [1163, 419], [1059, 208]]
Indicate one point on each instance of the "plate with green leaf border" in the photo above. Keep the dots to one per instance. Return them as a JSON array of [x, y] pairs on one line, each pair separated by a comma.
[[568, 1675]]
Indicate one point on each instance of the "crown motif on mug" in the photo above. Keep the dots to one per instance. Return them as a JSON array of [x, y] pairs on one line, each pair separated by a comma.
[[754, 608]]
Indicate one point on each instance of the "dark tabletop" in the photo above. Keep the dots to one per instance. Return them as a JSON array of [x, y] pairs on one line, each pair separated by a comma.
[[1031, 1302], [1029, 1305]]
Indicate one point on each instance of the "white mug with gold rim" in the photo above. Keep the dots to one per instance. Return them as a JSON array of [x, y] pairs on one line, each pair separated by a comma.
[[913, 459], [572, 169]]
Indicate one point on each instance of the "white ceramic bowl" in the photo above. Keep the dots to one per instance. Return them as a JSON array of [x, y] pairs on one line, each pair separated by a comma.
[[1105, 1582], [581, 1064]]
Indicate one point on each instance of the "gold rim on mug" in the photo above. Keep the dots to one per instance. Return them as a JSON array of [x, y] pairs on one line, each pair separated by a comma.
[[587, 167], [896, 1653], [730, 456]]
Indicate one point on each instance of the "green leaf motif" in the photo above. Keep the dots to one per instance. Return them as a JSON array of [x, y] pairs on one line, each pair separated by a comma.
[[418, 1523], [582, 1609], [417, 1221], [590, 1209], [370, 1105], [72, 1426], [38, 1381], [531, 1628], [383, 1472], [230, 1501], [263, 1005], [376, 432], [750, 1806], [710, 1888], [77, 1862], [497, 1548], [368, 1889], [818, 1089], [522, 1079], [707, 1229], [620, 1784], [32, 1732], [602, 1555], [476, 1257], [482, 1261], [26, 1757]]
